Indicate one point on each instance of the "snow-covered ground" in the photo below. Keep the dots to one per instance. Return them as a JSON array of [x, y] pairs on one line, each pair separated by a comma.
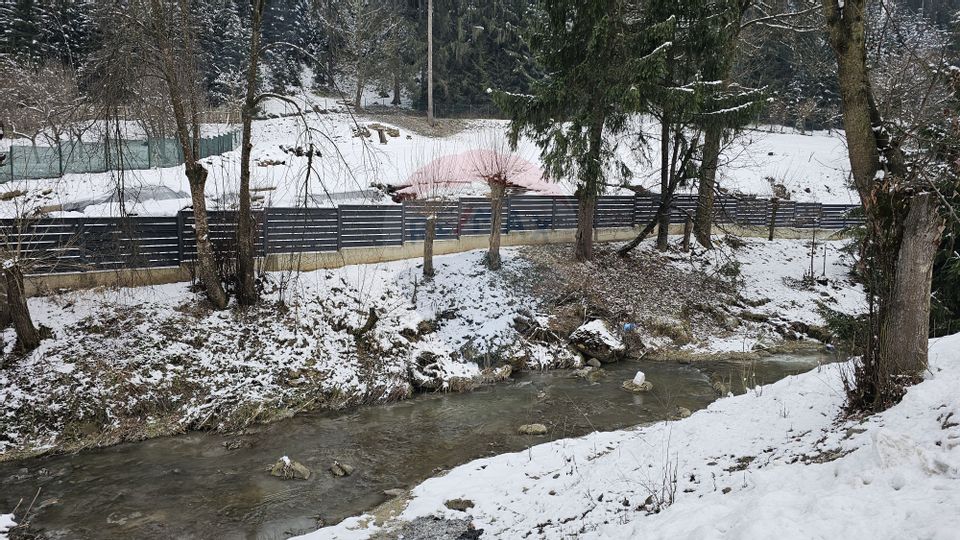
[[778, 461], [771, 278], [811, 167], [6, 523], [142, 361]]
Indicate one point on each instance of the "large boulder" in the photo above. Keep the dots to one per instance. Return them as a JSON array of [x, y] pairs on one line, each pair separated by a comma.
[[595, 340]]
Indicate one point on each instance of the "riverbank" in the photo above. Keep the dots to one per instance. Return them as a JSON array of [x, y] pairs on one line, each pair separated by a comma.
[[138, 363], [778, 458]]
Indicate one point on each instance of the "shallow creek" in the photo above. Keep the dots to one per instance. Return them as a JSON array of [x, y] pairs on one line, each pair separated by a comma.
[[203, 485]]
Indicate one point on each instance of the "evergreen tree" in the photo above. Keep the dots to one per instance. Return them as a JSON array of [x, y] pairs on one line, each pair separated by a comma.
[[604, 58], [223, 47]]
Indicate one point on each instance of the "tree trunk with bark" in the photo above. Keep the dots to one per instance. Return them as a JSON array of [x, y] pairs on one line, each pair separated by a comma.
[[906, 327], [206, 265], [429, 236], [663, 223], [589, 191], [246, 225], [28, 338], [903, 226], [703, 220], [358, 94], [396, 90], [497, 196]]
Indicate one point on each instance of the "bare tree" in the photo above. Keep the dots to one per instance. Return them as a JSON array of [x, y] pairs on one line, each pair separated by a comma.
[[434, 187], [246, 233], [497, 165], [363, 29], [39, 101], [146, 39], [903, 226]]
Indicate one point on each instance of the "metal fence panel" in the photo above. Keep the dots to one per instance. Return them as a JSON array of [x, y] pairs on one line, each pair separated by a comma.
[[415, 219], [614, 211], [371, 225], [529, 213], [296, 230]]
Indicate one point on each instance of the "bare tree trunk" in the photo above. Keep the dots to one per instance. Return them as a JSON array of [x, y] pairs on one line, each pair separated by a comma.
[[589, 190], [774, 208], [663, 223], [206, 268], [497, 192], [430, 61], [687, 227], [246, 226], [429, 236], [907, 325], [584, 239], [396, 90], [703, 221], [903, 229], [28, 338], [358, 95]]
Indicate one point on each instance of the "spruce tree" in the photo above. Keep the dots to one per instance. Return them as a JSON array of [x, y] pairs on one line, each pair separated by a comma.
[[602, 57]]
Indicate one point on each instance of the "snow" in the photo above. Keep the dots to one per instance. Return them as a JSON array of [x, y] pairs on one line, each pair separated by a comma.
[[204, 367], [770, 274], [780, 460], [597, 328], [812, 167], [6, 523]]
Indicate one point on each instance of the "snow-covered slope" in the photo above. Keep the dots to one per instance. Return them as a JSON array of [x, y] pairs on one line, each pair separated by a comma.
[[811, 167], [773, 462]]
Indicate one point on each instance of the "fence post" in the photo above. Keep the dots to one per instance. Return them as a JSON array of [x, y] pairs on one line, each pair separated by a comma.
[[149, 155], [10, 157], [553, 213], [509, 212]]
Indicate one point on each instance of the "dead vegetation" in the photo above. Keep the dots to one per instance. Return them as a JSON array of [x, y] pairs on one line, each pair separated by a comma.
[[661, 305]]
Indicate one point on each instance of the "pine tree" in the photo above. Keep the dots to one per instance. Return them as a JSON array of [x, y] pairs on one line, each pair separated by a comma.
[[604, 57]]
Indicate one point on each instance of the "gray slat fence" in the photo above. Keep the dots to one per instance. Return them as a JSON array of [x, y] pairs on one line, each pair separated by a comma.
[[88, 243]]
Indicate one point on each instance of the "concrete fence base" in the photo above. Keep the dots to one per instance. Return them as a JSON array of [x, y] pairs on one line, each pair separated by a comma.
[[43, 284]]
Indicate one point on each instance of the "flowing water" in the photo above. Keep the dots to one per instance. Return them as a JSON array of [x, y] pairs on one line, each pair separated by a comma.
[[205, 485]]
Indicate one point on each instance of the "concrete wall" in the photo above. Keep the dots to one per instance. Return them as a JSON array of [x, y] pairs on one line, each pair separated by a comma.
[[47, 283]]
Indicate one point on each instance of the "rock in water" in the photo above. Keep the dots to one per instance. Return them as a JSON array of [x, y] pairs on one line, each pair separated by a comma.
[[593, 362], [683, 412], [533, 429], [341, 469], [595, 340], [637, 388], [639, 378], [461, 505], [289, 469]]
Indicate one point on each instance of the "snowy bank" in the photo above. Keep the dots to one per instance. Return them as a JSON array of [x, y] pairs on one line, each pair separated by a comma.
[[141, 362], [779, 460]]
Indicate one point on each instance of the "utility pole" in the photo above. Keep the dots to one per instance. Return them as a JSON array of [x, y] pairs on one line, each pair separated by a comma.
[[430, 61]]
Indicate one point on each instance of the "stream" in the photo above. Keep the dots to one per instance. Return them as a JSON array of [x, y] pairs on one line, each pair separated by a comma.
[[208, 485]]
